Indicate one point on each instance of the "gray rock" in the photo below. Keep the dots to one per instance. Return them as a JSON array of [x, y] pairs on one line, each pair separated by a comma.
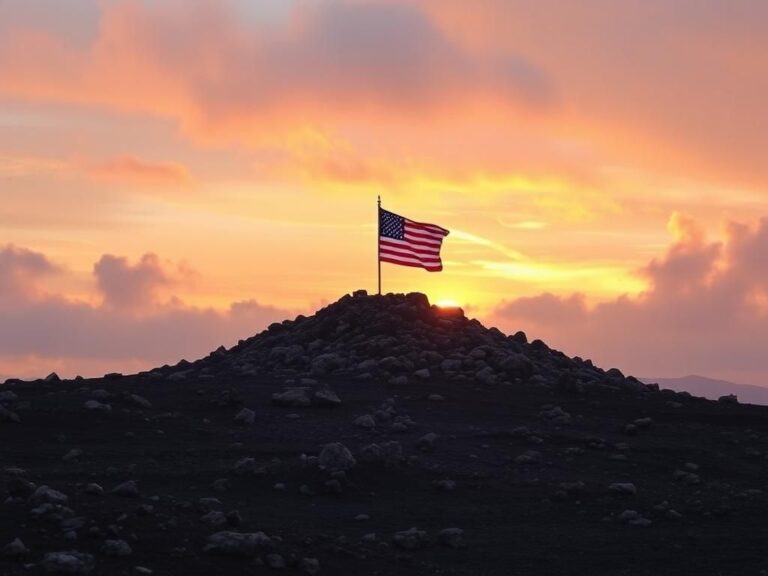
[[245, 417], [291, 398], [623, 488], [7, 397], [336, 457], [71, 562], [275, 561], [46, 495], [8, 416], [452, 537], [116, 548], [73, 454], [127, 489], [237, 543], [96, 406], [326, 363], [411, 539], [215, 519], [15, 549], [139, 401], [326, 398], [424, 374], [427, 442], [310, 566], [365, 421], [94, 489], [244, 466]]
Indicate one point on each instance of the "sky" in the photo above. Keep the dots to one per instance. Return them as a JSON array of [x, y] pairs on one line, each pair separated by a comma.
[[178, 174]]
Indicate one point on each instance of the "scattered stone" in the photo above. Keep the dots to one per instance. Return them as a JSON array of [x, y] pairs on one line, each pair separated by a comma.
[[221, 485], [215, 519], [139, 401], [116, 548], [275, 561], [452, 537], [244, 466], [68, 562], [127, 489], [529, 457], [15, 549], [427, 442], [246, 417], [411, 539], [73, 454], [326, 398], [310, 566], [46, 495], [728, 399], [8, 416], [291, 398], [336, 457], [435, 398], [365, 421], [96, 406], [94, 489], [424, 374], [623, 488], [237, 543]]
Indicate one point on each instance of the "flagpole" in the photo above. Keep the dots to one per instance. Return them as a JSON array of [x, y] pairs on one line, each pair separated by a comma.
[[378, 239]]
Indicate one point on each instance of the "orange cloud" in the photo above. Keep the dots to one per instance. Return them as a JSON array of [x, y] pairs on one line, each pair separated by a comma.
[[135, 170]]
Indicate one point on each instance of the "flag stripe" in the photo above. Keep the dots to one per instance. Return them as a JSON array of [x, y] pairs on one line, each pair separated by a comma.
[[408, 243]]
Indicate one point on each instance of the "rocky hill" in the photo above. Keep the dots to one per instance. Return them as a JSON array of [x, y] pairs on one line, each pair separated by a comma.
[[381, 435]]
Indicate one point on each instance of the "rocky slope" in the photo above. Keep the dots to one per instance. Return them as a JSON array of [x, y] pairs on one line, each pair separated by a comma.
[[379, 436]]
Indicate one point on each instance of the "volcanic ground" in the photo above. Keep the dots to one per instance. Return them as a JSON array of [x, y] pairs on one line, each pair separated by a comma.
[[382, 436]]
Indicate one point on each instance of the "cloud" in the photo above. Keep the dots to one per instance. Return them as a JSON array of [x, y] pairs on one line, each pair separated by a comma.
[[704, 311], [132, 169], [131, 329], [127, 286], [225, 80], [21, 272]]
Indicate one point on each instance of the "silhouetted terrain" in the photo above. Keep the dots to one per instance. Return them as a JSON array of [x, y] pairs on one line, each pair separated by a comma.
[[379, 436], [714, 389]]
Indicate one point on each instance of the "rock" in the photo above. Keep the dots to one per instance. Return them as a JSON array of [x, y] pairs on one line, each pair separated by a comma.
[[15, 549], [215, 519], [292, 398], [8, 416], [245, 417], [411, 539], [139, 401], [529, 457], [427, 442], [244, 466], [68, 562], [94, 489], [728, 399], [365, 421], [452, 537], [424, 374], [310, 566], [73, 454], [96, 406], [127, 489], [7, 397], [52, 377], [435, 398], [46, 495], [237, 543], [275, 561], [326, 398], [116, 548], [326, 363], [221, 485], [336, 457], [623, 488]]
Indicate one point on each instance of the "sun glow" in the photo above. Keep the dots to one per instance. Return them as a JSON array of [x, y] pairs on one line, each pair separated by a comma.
[[447, 303]]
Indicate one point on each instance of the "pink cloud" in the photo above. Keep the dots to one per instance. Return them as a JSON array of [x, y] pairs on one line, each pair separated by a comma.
[[132, 329], [705, 311]]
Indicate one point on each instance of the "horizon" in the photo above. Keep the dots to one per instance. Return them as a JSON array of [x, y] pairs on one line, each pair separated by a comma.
[[177, 175]]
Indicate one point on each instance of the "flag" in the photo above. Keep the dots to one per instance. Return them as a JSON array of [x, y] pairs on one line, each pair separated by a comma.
[[408, 243]]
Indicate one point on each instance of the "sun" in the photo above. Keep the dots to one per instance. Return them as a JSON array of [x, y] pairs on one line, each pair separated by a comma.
[[447, 303]]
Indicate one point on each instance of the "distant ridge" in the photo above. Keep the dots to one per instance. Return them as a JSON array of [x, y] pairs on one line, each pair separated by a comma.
[[713, 389]]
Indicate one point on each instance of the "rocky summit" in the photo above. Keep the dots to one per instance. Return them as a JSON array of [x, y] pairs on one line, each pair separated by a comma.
[[381, 435]]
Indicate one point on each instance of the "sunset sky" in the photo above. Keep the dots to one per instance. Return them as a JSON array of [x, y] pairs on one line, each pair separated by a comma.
[[177, 174]]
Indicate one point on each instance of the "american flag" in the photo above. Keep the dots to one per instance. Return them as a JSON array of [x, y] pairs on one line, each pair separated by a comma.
[[408, 243]]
